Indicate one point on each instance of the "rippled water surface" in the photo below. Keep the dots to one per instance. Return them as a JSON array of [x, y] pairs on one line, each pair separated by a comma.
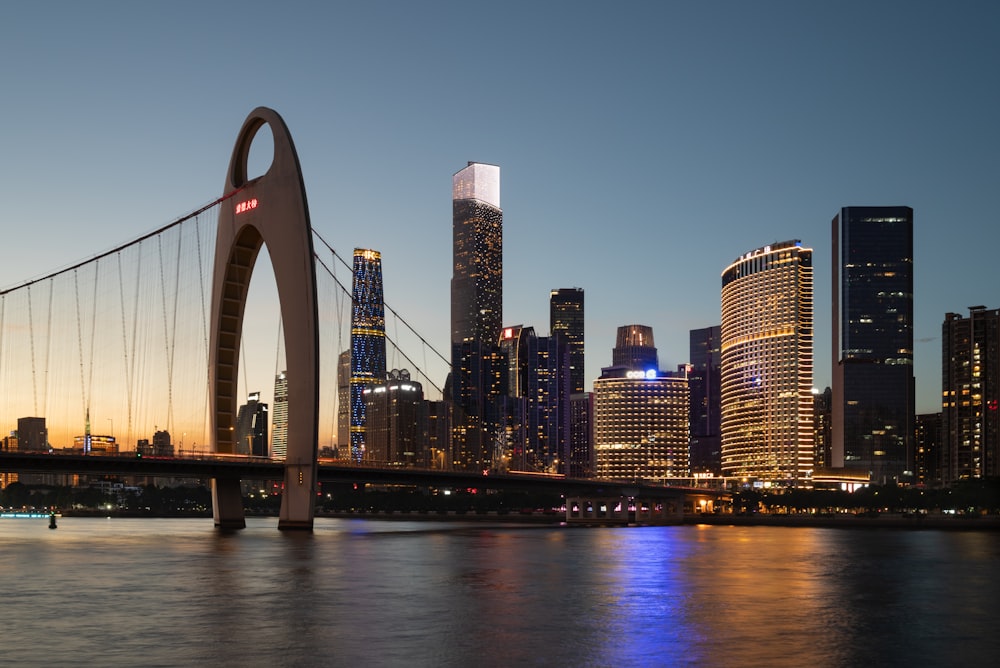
[[115, 592]]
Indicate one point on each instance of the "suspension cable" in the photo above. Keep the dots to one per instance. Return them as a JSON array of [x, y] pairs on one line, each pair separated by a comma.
[[79, 342], [123, 246], [386, 305]]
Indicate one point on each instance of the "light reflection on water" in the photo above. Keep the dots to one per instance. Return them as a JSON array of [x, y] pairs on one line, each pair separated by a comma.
[[175, 592]]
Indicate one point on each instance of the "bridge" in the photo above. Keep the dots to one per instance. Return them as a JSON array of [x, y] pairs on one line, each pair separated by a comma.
[[662, 503], [149, 336]]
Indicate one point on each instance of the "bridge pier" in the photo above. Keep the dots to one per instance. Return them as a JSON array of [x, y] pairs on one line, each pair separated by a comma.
[[298, 498], [227, 504]]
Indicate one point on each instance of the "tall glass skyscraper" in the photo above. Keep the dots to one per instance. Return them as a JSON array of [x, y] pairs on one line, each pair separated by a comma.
[[566, 320], [873, 389], [704, 381], [478, 376], [477, 278], [344, 403], [767, 347], [970, 395], [367, 339], [279, 417]]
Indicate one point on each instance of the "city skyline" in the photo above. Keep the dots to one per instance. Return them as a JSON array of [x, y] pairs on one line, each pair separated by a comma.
[[687, 141]]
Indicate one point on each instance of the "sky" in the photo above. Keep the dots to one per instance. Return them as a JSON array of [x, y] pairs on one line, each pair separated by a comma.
[[643, 146]]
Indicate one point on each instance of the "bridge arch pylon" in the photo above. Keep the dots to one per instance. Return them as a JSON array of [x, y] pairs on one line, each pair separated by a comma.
[[267, 211]]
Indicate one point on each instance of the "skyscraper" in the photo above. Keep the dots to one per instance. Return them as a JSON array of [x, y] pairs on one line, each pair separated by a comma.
[[279, 418], [873, 389], [640, 413], [478, 376], [970, 395], [396, 419], [704, 382], [477, 278], [251, 427], [367, 339], [538, 418], [766, 342], [344, 403], [566, 320]]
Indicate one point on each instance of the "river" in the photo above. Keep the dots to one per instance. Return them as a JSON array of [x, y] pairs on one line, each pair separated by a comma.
[[165, 592]]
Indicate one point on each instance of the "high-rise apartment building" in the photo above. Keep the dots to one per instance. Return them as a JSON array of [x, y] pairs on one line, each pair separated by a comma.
[[478, 375], [367, 339], [566, 320], [704, 383], [279, 417], [970, 395], [251, 427], [767, 347], [640, 414], [873, 388]]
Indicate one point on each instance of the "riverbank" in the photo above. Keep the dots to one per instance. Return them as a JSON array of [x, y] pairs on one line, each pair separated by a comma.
[[850, 521]]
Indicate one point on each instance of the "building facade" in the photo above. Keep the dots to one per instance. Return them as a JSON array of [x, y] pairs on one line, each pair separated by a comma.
[[251, 427], [970, 395], [367, 339], [640, 413], [537, 422], [640, 424], [478, 377], [566, 319], [634, 348], [32, 434], [766, 354], [872, 334], [927, 449], [279, 417], [396, 422], [704, 382], [344, 404], [477, 254]]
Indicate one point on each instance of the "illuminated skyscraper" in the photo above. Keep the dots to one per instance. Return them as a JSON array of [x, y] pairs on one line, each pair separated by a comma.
[[344, 403], [477, 278], [970, 395], [478, 376], [640, 413], [566, 320], [279, 418], [873, 389], [367, 339], [538, 416], [766, 342]]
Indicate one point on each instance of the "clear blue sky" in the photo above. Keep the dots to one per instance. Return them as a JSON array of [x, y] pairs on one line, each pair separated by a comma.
[[642, 145]]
